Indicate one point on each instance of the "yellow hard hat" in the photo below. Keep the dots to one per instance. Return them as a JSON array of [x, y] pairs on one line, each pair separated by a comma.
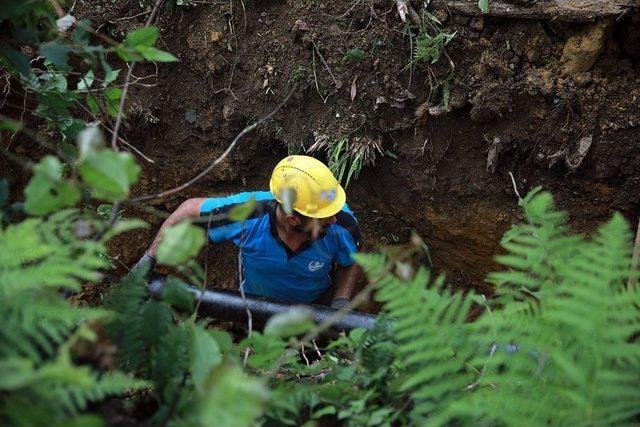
[[317, 192]]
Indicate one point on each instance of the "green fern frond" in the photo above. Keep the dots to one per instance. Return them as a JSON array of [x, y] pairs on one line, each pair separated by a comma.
[[575, 364], [431, 335], [429, 48], [37, 253]]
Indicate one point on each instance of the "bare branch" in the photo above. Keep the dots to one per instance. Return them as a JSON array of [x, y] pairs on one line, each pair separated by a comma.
[[219, 159]]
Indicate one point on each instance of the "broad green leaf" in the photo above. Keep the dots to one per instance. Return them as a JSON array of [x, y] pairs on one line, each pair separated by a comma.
[[204, 357], [92, 103], [127, 54], [146, 36], [233, 398], [47, 191], [57, 53], [109, 174], [180, 243], [483, 5], [153, 54], [85, 82], [112, 95], [243, 211], [89, 140], [295, 321]]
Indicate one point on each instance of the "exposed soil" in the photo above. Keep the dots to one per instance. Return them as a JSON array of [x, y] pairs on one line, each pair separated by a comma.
[[526, 97]]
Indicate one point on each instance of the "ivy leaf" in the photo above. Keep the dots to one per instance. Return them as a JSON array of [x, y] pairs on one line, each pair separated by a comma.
[[204, 357], [85, 82], [110, 77], [295, 321], [153, 54], [47, 191], [180, 243], [146, 36], [57, 53], [243, 211], [112, 95], [483, 5], [109, 174]]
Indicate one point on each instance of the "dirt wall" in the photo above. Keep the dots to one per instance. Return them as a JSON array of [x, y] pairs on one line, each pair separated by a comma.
[[556, 104]]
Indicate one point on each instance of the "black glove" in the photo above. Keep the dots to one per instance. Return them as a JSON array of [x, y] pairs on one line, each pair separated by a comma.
[[339, 303], [144, 266]]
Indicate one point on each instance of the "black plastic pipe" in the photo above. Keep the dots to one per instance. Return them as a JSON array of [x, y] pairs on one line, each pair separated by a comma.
[[228, 305]]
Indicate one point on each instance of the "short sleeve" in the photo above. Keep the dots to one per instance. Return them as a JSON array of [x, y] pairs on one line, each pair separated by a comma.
[[213, 210], [349, 240]]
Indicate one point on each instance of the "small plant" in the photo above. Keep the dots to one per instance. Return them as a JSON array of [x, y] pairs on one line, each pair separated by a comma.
[[483, 5], [429, 48], [355, 54]]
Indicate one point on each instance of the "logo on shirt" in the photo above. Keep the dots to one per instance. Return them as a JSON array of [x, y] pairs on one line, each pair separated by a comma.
[[315, 265]]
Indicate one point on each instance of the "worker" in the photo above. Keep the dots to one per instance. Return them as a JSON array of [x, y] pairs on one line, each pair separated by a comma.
[[296, 245]]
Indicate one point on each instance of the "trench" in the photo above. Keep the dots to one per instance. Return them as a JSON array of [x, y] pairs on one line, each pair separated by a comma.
[[516, 103]]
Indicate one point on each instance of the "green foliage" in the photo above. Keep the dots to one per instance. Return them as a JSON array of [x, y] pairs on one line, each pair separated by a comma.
[[48, 191], [343, 162], [242, 211], [355, 54], [433, 340], [577, 363], [109, 174], [179, 243], [483, 5], [38, 379], [428, 48], [558, 352]]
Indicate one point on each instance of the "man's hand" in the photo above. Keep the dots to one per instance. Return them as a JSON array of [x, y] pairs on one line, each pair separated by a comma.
[[340, 303], [145, 264]]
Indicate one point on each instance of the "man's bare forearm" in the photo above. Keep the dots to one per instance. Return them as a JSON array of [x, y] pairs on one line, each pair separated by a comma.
[[188, 209], [347, 279]]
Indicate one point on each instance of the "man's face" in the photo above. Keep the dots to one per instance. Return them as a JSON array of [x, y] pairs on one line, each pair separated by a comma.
[[313, 226]]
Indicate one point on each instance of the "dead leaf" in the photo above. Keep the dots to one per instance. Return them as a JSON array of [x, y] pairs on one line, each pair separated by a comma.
[[354, 89], [574, 159], [215, 36]]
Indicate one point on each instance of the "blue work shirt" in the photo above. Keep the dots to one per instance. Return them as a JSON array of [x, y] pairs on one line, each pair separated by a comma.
[[270, 268]]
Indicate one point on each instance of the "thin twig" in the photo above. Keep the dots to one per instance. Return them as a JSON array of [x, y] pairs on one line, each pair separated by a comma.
[[303, 354], [315, 78], [122, 140], [326, 65], [515, 187], [127, 80], [249, 319], [217, 161]]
